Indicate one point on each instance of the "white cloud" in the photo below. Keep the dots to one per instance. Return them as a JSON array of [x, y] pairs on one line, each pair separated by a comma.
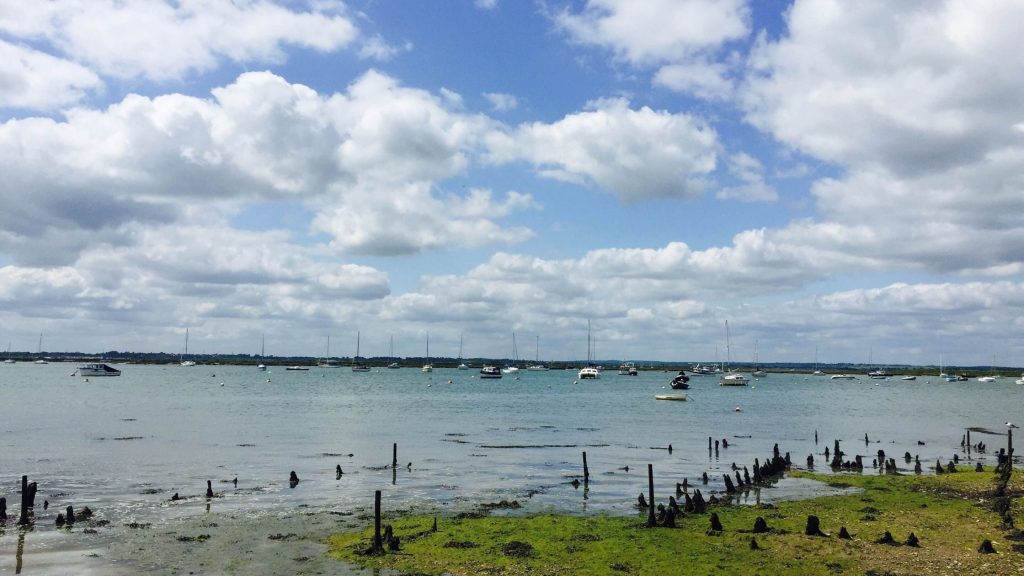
[[501, 102], [364, 159], [486, 4], [749, 171], [161, 40], [657, 30], [898, 87], [681, 38], [376, 48], [35, 80], [707, 80], [917, 108], [634, 154]]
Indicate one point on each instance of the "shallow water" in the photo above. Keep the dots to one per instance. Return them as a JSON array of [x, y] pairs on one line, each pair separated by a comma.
[[124, 445]]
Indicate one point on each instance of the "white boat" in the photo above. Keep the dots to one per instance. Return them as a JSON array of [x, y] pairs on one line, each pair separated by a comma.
[[757, 373], [731, 378], [701, 370], [677, 397], [8, 360], [263, 350], [298, 368], [537, 367], [490, 372], [627, 369], [327, 361], [185, 361], [511, 368], [843, 377], [462, 365], [428, 367], [817, 372], [986, 379], [391, 354], [590, 372], [879, 374], [98, 369], [909, 378], [39, 351], [358, 366], [1021, 380]]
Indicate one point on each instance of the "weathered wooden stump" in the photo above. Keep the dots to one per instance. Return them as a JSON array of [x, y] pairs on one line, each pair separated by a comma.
[[886, 539], [3, 509], [844, 534], [209, 489], [70, 515], [913, 541], [293, 479], [716, 524], [986, 547], [753, 544], [729, 488], [813, 527], [650, 490], [378, 547], [760, 526]]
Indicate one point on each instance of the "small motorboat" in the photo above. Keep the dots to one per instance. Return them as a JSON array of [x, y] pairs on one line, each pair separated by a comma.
[[909, 378], [681, 381], [98, 370], [490, 372], [677, 397]]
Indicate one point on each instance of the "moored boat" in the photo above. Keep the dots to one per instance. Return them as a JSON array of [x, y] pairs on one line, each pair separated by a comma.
[[676, 397], [589, 373], [843, 377], [490, 372], [681, 381], [627, 369], [98, 369]]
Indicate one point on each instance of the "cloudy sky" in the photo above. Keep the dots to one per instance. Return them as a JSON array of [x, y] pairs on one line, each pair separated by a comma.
[[839, 176]]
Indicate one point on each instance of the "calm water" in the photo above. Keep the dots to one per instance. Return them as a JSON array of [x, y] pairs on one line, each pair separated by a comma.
[[123, 446]]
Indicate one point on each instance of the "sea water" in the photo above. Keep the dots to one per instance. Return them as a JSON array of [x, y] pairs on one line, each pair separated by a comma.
[[124, 445]]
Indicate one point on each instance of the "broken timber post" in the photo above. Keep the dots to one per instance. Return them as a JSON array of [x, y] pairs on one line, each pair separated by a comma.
[[650, 492]]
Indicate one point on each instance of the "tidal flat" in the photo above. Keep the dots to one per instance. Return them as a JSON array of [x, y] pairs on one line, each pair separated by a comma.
[[949, 515]]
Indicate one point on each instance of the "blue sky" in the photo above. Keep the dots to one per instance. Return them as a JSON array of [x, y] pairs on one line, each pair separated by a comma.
[[818, 173]]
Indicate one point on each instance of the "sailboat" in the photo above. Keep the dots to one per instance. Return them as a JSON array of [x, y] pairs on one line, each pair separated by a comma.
[[357, 366], [757, 373], [263, 350], [185, 361], [391, 354], [428, 367], [537, 366], [511, 368], [817, 371], [731, 378], [326, 361], [462, 365], [8, 360], [590, 372]]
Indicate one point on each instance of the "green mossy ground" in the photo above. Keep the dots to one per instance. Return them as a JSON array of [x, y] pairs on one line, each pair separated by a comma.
[[951, 514]]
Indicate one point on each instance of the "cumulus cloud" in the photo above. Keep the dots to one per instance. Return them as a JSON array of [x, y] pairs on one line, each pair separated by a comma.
[[917, 108], [364, 159], [501, 102], [679, 38], [35, 80], [634, 154], [749, 171], [161, 40]]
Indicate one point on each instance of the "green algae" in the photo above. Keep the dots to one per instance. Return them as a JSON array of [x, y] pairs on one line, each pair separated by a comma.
[[950, 515]]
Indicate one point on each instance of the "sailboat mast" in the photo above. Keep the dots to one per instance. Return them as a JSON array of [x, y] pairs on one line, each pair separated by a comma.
[[728, 351]]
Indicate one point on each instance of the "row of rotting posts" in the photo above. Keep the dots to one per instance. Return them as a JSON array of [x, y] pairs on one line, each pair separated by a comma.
[[764, 473]]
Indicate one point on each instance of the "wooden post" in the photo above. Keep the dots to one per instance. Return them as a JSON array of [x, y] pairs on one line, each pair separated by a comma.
[[650, 493], [378, 547], [1009, 447], [586, 469], [23, 519], [394, 455]]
